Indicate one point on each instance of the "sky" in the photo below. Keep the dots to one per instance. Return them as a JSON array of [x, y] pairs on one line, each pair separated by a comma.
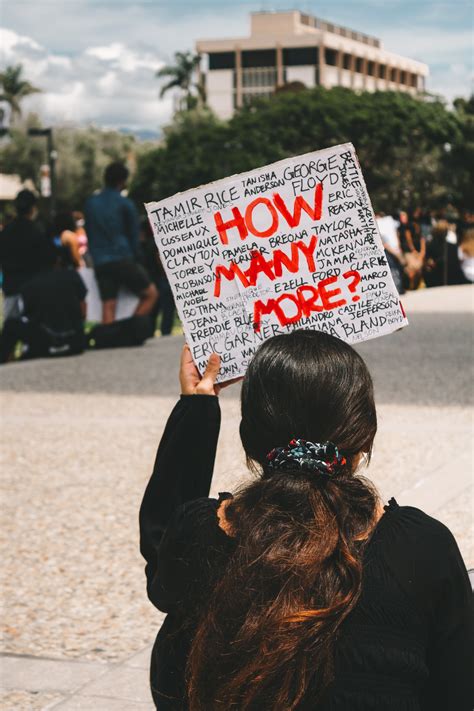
[[96, 60]]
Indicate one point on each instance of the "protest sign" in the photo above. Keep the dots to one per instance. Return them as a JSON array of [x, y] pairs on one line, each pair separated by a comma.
[[291, 245]]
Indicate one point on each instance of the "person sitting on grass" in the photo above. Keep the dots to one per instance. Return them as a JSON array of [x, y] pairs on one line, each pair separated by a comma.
[[302, 590], [25, 250], [52, 319]]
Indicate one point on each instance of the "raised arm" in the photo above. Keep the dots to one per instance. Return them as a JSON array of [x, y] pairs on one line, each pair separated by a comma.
[[184, 463], [185, 459]]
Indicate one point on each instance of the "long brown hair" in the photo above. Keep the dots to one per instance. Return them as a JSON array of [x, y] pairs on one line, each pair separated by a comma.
[[270, 626]]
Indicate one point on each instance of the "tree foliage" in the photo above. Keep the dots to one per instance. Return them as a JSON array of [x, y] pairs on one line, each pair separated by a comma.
[[182, 75], [83, 154], [459, 159], [15, 88], [412, 151], [400, 140]]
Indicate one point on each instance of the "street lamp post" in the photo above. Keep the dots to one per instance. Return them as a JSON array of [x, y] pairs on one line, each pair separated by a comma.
[[52, 156]]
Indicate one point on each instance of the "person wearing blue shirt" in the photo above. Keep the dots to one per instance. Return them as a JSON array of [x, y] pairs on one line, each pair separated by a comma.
[[113, 235]]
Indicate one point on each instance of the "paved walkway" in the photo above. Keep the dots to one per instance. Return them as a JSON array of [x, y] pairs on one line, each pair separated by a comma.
[[79, 438]]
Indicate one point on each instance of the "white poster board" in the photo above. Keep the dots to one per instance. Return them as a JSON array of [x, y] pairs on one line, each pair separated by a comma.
[[291, 245]]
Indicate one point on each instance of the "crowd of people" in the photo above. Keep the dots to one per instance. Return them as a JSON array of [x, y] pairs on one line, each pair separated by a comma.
[[44, 294], [426, 249]]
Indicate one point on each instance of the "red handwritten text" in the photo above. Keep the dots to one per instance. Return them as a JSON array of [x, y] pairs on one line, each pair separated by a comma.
[[290, 307], [274, 208], [272, 268]]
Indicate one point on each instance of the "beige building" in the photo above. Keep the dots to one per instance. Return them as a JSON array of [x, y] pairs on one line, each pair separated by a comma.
[[290, 46]]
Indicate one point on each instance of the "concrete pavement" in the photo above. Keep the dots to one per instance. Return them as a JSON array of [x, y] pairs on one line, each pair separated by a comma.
[[79, 438]]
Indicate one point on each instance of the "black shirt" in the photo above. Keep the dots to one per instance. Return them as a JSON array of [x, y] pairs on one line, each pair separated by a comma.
[[407, 644], [53, 299], [24, 251], [151, 260]]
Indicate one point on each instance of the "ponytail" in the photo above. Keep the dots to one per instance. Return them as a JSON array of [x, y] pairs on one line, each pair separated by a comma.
[[272, 622], [269, 630]]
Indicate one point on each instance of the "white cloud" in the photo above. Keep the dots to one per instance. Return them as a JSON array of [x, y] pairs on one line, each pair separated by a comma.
[[9, 40], [96, 60], [58, 61], [66, 104], [111, 85], [160, 27], [431, 46], [123, 57], [111, 51], [452, 81]]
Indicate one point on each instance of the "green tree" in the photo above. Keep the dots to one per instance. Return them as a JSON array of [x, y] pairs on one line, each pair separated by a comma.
[[22, 155], [189, 155], [182, 75], [83, 154], [15, 88], [459, 156], [399, 140]]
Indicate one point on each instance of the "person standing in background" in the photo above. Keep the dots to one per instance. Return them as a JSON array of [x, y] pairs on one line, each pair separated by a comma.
[[414, 248], [153, 265], [24, 251], [466, 255], [436, 255], [388, 232], [79, 223], [442, 265], [66, 240], [113, 234]]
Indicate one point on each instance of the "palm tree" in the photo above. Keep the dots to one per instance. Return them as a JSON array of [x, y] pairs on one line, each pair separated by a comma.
[[181, 76], [15, 88]]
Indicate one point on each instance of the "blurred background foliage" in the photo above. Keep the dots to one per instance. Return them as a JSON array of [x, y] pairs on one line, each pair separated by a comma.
[[413, 151], [83, 153]]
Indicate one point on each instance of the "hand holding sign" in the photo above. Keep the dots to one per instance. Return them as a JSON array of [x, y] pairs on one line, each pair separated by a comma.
[[292, 245], [190, 380]]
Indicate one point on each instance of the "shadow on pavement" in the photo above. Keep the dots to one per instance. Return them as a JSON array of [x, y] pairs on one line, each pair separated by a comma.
[[427, 363]]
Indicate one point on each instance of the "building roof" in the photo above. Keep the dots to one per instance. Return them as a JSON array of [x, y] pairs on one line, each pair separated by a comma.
[[293, 28]]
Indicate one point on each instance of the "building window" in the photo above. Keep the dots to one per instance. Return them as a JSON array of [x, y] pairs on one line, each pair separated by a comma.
[[393, 75], [330, 57], [359, 65], [414, 80], [382, 71], [259, 58], [250, 96], [371, 69], [346, 61], [222, 60], [300, 56], [403, 78], [259, 77]]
